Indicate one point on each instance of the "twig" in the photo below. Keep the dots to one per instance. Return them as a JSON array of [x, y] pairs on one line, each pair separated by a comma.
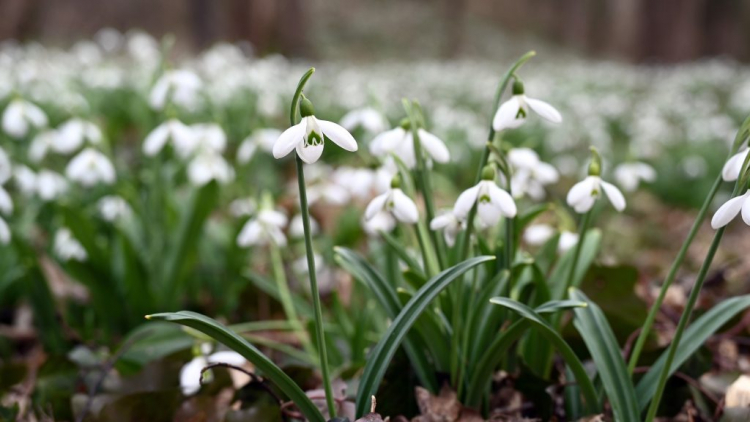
[[628, 347], [255, 378], [692, 381]]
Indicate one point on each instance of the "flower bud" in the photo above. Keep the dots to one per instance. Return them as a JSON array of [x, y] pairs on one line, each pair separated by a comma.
[[488, 173], [306, 108], [405, 124], [518, 87], [595, 166], [396, 182]]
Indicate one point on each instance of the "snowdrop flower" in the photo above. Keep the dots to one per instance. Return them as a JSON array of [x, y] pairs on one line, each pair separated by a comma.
[[399, 141], [242, 207], [208, 166], [300, 264], [512, 113], [492, 202], [331, 193], [72, 134], [538, 234], [174, 130], [307, 137], [67, 247], [41, 143], [730, 209], [260, 138], [584, 194], [20, 116], [190, 374], [113, 207], [297, 229], [207, 137], [181, 87], [50, 185], [395, 202], [380, 222], [358, 182], [733, 166], [449, 224], [531, 174], [630, 175], [368, 118], [264, 228], [567, 241], [6, 170], [5, 235], [90, 167], [25, 179], [6, 204]]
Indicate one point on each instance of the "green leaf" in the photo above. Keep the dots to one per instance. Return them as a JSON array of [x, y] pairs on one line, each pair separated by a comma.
[[602, 344], [695, 336], [494, 353], [383, 352], [398, 247], [230, 339], [589, 250]]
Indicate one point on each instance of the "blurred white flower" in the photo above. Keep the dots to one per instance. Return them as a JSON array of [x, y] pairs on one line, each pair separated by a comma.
[[109, 39], [190, 374], [6, 203], [395, 202], [5, 235], [382, 221], [41, 143], [207, 137], [567, 241], [20, 116], [67, 247], [332, 193], [25, 179], [143, 47], [449, 224], [492, 202], [90, 167], [181, 87], [6, 170], [733, 166], [180, 134], [297, 229], [538, 234], [72, 134], [300, 264], [400, 142], [243, 207], [512, 113], [530, 173], [50, 185], [730, 209], [357, 182], [264, 228], [113, 207], [260, 138], [208, 166], [307, 137], [368, 118], [584, 194], [630, 175]]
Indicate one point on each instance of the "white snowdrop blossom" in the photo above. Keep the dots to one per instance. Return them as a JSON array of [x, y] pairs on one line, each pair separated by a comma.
[[492, 202], [20, 116], [181, 87], [50, 185], [67, 247], [584, 194], [208, 166], [380, 222], [41, 144], [449, 224], [399, 141], [25, 180], [6, 203], [243, 207], [630, 175], [190, 374], [357, 182], [538, 234], [367, 118], [733, 166], [113, 207], [530, 173], [260, 138], [395, 202], [174, 130], [5, 235], [90, 167], [567, 241], [73, 134], [207, 137], [297, 229], [6, 169], [513, 113], [266, 227], [730, 209], [308, 136]]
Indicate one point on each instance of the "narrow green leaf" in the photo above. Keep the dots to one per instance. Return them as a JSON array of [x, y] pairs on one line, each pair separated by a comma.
[[559, 275], [695, 336], [381, 355], [232, 340], [602, 344], [398, 247]]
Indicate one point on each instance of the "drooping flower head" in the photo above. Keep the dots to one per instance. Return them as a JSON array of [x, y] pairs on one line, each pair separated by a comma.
[[513, 113], [367, 118], [491, 201], [399, 141], [90, 167], [394, 202], [530, 174], [181, 87], [730, 209], [583, 195], [449, 224], [20, 116], [174, 130], [733, 166], [630, 175], [308, 136], [264, 228]]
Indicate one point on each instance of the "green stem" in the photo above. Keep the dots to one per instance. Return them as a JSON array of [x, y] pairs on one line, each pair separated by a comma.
[[319, 333], [646, 329]]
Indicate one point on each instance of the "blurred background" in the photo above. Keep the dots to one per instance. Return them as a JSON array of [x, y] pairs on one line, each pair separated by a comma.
[[631, 30]]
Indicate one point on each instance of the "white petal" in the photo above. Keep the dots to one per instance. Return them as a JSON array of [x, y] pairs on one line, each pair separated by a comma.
[[614, 195], [488, 214], [728, 211], [537, 234], [309, 153], [546, 173], [580, 191], [404, 209], [250, 234], [338, 135], [465, 202], [4, 232], [227, 356], [442, 221], [505, 118], [190, 375], [523, 158], [288, 140], [585, 204], [733, 166], [246, 151], [646, 172], [6, 204], [386, 142], [746, 211], [545, 110], [502, 200], [434, 146], [376, 205], [567, 241], [14, 122], [156, 140], [272, 217], [35, 115]]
